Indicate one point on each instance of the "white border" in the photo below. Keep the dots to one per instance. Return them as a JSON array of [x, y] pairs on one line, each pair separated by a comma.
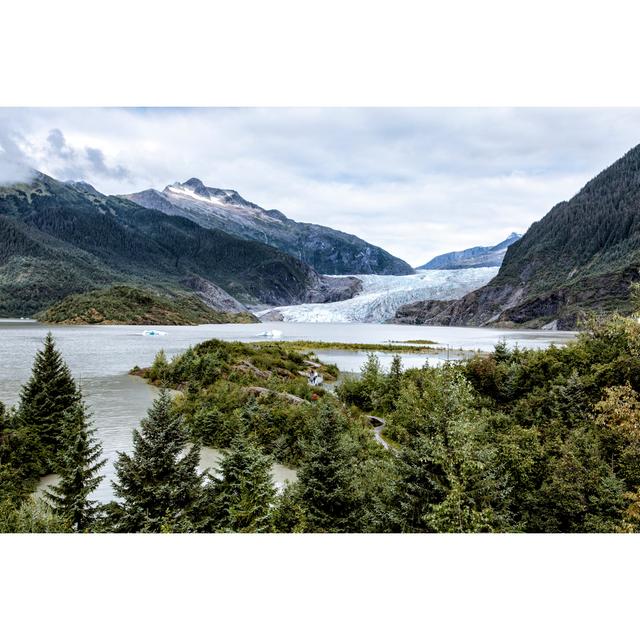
[[286, 53]]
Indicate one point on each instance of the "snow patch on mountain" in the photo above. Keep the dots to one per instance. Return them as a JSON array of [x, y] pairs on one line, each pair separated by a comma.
[[382, 296]]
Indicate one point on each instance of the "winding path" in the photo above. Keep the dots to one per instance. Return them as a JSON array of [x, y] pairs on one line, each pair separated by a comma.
[[378, 425]]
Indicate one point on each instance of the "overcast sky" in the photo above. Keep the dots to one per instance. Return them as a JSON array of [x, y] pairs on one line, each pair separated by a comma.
[[417, 182]]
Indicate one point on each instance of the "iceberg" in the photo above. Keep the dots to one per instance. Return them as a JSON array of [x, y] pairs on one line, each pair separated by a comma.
[[274, 333]]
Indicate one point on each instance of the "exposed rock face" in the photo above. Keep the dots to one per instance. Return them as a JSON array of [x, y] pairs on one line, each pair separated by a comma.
[[272, 316], [508, 306], [325, 249], [422, 312], [335, 289], [474, 257], [213, 296]]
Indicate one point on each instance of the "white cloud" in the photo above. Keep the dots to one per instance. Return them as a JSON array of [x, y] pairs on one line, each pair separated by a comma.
[[414, 181], [14, 165]]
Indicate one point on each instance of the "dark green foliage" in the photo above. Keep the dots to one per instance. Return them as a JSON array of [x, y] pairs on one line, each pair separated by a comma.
[[581, 256], [244, 492], [71, 241], [159, 485], [448, 477], [13, 456], [79, 465], [373, 391], [216, 376], [44, 399], [325, 479], [128, 305]]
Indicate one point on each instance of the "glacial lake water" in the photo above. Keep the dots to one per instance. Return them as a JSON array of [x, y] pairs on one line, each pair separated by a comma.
[[101, 356]]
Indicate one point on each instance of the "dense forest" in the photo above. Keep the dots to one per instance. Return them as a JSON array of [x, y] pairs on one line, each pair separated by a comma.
[[511, 441], [59, 239]]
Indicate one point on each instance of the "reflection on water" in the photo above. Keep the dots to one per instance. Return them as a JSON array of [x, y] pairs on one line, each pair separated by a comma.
[[101, 356]]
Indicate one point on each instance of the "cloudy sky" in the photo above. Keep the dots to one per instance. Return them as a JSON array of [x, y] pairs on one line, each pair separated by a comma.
[[417, 182]]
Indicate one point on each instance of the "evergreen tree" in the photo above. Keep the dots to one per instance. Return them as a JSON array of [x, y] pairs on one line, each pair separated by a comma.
[[372, 381], [244, 494], [80, 463], [44, 399], [325, 476], [160, 486], [447, 480], [393, 383]]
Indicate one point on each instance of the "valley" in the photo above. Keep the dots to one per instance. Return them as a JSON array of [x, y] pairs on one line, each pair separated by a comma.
[[381, 296]]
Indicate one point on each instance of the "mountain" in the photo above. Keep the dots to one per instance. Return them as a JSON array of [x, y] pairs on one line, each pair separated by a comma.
[[474, 257], [328, 251], [581, 257], [62, 238]]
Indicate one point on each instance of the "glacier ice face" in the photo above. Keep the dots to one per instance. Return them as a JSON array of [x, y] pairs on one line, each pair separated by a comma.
[[381, 296]]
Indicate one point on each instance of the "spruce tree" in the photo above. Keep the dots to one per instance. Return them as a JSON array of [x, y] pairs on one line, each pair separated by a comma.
[[325, 477], [160, 485], [44, 399], [447, 480], [19, 462], [372, 381], [79, 464], [244, 494], [393, 383]]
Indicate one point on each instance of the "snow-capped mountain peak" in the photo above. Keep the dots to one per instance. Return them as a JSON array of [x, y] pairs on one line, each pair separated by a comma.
[[220, 201], [327, 250]]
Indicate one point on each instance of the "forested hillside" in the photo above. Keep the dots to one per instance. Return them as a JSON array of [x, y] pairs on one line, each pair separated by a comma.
[[57, 239], [582, 256], [128, 305]]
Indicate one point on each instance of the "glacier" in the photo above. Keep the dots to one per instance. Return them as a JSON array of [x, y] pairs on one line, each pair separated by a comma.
[[382, 296]]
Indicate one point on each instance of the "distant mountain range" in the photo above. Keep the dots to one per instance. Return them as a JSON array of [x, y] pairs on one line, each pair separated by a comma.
[[61, 238], [328, 251], [474, 257], [581, 257]]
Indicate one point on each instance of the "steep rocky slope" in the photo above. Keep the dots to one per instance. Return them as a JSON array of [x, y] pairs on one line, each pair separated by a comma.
[[328, 251], [581, 257]]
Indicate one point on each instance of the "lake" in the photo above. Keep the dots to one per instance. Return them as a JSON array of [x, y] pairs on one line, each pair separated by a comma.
[[100, 357]]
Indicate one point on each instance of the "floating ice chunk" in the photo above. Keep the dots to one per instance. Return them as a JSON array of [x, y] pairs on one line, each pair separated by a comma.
[[273, 333], [153, 332]]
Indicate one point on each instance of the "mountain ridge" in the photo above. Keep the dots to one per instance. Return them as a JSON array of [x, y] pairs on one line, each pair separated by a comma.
[[58, 239], [473, 257], [327, 250]]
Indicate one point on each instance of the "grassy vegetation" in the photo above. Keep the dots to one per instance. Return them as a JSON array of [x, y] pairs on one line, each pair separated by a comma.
[[311, 345], [128, 305], [264, 385]]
